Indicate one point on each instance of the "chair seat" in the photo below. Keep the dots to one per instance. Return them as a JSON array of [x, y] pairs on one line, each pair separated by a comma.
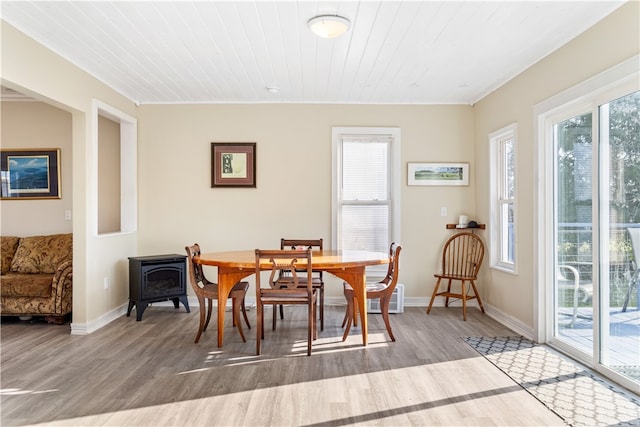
[[316, 281], [210, 290], [455, 276], [295, 296], [371, 287]]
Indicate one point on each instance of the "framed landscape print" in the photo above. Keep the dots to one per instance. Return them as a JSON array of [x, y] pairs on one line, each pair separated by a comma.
[[30, 174], [438, 173], [233, 164]]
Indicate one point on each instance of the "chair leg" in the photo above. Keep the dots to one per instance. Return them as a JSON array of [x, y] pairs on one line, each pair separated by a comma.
[[244, 313], [356, 310], [202, 319], [349, 315], [322, 308], [346, 315], [275, 310], [463, 292], [475, 291], [384, 309], [209, 310], [627, 298], [433, 295], [446, 299], [310, 321], [260, 331], [237, 303], [315, 320], [281, 312]]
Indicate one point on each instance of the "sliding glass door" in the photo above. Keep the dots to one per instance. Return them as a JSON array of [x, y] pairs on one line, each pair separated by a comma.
[[596, 219]]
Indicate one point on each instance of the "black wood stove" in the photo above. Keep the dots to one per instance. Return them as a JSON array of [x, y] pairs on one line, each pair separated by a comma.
[[157, 278]]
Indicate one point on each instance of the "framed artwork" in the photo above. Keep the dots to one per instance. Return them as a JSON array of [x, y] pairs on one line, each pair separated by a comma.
[[30, 174], [438, 173], [233, 164]]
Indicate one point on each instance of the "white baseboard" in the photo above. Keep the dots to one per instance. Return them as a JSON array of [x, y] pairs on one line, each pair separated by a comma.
[[94, 325], [509, 321]]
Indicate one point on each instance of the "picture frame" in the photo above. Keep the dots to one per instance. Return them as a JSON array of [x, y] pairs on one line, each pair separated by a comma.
[[233, 164], [437, 173], [30, 174]]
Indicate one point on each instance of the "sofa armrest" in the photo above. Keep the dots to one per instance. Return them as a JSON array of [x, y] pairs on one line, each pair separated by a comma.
[[62, 287]]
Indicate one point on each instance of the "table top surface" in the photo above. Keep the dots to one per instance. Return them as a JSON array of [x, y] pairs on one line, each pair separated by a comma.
[[325, 259]]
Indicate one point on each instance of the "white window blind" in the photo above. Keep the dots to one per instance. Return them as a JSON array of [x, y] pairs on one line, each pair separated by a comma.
[[365, 197]]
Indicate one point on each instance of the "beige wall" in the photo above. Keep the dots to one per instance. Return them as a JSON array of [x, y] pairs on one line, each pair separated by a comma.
[[608, 43], [179, 207], [37, 125], [108, 176]]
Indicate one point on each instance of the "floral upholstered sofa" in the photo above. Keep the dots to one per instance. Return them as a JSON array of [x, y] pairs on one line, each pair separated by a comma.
[[37, 276]]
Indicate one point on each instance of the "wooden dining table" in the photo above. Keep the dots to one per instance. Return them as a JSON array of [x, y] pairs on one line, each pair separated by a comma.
[[348, 265]]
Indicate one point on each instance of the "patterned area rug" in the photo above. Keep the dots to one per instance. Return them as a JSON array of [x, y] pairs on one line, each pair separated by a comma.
[[574, 393]]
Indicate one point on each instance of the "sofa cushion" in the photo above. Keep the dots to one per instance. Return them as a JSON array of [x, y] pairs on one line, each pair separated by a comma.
[[8, 246], [42, 254], [26, 285]]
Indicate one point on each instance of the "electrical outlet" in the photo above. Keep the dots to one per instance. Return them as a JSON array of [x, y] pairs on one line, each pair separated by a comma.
[[443, 211], [67, 215], [106, 283]]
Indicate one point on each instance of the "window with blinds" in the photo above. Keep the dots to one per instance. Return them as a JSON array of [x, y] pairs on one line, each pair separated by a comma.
[[366, 188]]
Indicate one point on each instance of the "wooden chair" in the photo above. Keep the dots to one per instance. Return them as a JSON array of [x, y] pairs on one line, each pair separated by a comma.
[[207, 290], [568, 278], [317, 279], [461, 259], [286, 268], [382, 290]]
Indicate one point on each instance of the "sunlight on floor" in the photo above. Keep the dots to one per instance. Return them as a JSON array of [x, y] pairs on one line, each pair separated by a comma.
[[347, 395]]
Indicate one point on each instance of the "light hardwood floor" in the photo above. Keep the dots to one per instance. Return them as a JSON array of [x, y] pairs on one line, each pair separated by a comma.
[[150, 373]]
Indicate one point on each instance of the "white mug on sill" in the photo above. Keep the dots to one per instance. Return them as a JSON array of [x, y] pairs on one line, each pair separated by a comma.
[[463, 220]]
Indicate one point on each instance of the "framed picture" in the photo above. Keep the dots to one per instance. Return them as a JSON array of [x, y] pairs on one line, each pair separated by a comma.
[[30, 174], [438, 173], [233, 164]]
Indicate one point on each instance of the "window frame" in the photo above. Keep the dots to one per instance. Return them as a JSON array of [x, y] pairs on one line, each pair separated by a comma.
[[394, 170], [500, 199]]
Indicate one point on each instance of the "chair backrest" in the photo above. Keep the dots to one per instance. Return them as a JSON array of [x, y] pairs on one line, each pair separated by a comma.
[[462, 255], [634, 233], [196, 275], [391, 279], [288, 264], [293, 244]]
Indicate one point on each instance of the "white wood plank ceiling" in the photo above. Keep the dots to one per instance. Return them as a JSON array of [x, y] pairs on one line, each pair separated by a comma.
[[396, 52]]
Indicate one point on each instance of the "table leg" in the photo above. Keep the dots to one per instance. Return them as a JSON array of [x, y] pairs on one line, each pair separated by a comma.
[[357, 278], [227, 278]]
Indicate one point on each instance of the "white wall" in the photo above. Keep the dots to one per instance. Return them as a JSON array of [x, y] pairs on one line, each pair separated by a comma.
[[41, 126], [293, 196], [608, 43]]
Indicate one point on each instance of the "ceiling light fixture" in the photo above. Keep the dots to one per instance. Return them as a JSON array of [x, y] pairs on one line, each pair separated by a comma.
[[329, 26]]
